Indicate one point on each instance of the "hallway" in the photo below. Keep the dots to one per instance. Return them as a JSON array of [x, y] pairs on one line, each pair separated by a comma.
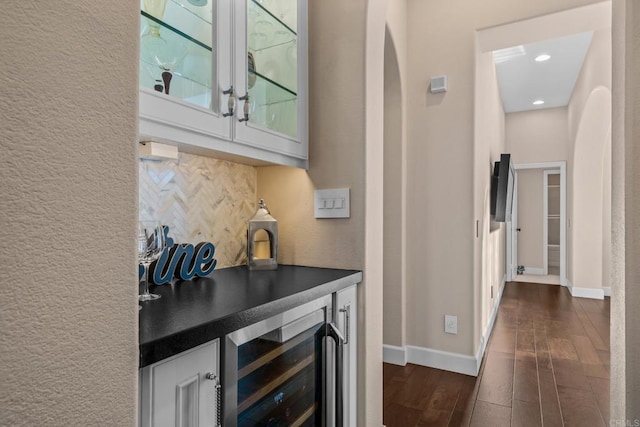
[[547, 360]]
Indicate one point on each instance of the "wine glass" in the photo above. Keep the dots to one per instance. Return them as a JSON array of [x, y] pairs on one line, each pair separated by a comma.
[[151, 243]]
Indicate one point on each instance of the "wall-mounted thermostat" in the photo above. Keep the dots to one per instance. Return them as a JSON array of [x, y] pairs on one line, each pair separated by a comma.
[[438, 84]]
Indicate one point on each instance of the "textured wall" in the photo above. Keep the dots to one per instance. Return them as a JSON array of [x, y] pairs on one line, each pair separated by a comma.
[[625, 292], [68, 308], [201, 200]]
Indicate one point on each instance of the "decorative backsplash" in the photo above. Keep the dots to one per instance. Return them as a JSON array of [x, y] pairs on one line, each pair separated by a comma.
[[201, 199]]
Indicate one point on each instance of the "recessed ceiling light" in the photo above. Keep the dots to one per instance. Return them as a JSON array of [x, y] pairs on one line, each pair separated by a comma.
[[543, 57], [538, 102]]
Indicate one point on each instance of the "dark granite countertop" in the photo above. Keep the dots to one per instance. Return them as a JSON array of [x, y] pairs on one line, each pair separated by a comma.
[[193, 312]]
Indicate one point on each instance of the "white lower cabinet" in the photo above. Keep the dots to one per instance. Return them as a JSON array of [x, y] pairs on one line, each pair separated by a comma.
[[183, 390], [347, 320]]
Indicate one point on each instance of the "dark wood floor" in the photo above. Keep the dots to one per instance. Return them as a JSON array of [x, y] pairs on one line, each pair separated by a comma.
[[547, 363]]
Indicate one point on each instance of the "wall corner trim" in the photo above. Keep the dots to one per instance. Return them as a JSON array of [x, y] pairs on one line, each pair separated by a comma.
[[593, 293], [607, 291], [394, 354], [429, 357], [492, 318]]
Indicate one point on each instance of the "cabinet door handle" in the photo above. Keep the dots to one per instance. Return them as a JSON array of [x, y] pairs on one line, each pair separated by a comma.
[[247, 105], [347, 314], [231, 102], [333, 332], [216, 386]]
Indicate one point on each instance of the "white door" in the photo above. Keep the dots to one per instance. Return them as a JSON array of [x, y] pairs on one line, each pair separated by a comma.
[[182, 391]]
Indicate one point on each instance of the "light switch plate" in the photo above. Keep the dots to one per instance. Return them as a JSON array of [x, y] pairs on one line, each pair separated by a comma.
[[332, 203]]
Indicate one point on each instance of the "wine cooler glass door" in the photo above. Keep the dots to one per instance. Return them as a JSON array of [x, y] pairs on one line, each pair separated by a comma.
[[279, 373]]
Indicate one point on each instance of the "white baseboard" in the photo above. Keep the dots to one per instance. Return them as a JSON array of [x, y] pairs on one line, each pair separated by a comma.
[[394, 354], [534, 270], [492, 318], [454, 362], [607, 291], [577, 292]]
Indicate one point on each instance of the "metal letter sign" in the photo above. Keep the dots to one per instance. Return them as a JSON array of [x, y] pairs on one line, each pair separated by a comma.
[[182, 261]]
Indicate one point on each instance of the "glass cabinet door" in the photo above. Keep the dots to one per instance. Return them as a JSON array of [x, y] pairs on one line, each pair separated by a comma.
[[272, 71], [176, 46], [272, 67], [185, 65]]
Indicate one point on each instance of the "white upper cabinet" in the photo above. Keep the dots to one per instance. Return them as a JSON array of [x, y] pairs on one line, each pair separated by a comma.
[[199, 59]]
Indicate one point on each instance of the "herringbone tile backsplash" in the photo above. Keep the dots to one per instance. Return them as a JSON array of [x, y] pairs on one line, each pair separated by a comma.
[[201, 200]]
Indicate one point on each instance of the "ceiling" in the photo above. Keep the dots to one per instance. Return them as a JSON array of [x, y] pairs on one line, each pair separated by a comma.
[[522, 80]]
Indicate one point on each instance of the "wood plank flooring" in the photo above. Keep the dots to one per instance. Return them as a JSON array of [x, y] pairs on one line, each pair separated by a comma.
[[546, 364]]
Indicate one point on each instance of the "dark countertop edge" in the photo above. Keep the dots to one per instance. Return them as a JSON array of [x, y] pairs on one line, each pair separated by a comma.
[[166, 347]]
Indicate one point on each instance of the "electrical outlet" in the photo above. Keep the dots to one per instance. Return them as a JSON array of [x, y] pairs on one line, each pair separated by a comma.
[[450, 324]]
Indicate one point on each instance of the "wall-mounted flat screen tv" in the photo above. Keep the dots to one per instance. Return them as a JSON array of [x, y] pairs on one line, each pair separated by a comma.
[[502, 186]]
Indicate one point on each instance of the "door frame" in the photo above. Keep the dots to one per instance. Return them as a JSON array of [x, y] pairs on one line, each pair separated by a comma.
[[545, 218], [511, 249], [512, 235]]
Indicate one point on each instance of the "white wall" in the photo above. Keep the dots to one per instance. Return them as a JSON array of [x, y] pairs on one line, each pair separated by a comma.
[[589, 131], [539, 136], [394, 238], [68, 179], [489, 244]]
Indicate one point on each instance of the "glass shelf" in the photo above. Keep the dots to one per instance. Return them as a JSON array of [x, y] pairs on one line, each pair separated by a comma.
[[202, 13], [274, 106], [193, 21], [266, 30], [163, 46]]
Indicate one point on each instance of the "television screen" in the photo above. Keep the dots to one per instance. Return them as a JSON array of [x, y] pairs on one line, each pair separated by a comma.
[[502, 186]]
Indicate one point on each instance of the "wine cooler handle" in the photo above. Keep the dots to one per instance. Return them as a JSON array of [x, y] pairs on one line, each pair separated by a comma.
[[247, 105], [334, 332], [216, 385], [347, 314], [231, 103]]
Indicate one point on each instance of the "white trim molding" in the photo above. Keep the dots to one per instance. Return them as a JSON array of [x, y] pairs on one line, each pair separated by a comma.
[[607, 291], [454, 362], [424, 356], [394, 354], [560, 166], [592, 293], [534, 270]]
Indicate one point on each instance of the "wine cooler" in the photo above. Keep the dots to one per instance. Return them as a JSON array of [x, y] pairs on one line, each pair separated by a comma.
[[284, 371]]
